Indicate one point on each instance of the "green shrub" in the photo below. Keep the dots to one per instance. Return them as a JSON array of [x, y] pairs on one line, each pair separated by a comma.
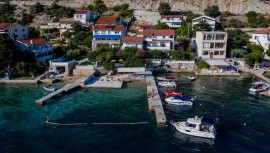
[[202, 64]]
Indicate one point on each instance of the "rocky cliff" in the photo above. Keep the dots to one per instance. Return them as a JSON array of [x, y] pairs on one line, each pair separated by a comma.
[[234, 6]]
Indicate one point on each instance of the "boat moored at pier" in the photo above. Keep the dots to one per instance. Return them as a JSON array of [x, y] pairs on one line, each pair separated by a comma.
[[259, 86]]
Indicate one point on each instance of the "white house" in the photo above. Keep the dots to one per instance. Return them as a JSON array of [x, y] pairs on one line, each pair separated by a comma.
[[41, 49], [211, 44], [109, 34], [173, 21], [84, 16], [66, 25], [261, 37], [51, 25], [159, 39], [132, 42], [14, 31], [207, 19]]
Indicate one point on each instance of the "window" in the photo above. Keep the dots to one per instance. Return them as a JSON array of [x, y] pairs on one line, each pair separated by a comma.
[[205, 52], [222, 52], [23, 35], [216, 53], [116, 32], [109, 32], [77, 16], [162, 45], [81, 16], [192, 125], [16, 30], [163, 37], [103, 32], [23, 29]]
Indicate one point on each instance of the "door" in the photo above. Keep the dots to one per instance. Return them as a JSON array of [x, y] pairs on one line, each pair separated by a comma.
[[211, 54]]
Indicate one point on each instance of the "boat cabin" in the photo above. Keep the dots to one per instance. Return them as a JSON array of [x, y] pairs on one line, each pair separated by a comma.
[[201, 124]]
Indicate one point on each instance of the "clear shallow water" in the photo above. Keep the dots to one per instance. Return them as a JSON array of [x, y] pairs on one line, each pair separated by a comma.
[[23, 127]]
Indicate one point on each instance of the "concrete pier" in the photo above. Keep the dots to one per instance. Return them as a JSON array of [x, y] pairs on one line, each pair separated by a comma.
[[155, 103], [104, 82], [66, 88]]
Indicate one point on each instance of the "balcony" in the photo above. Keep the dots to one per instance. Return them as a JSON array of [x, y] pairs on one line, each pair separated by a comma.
[[108, 41]]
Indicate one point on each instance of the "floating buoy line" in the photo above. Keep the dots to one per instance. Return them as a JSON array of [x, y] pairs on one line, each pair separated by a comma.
[[75, 124]]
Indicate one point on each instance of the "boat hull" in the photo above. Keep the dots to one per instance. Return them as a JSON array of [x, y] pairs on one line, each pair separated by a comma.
[[264, 87], [179, 102], [49, 88], [176, 100], [193, 132]]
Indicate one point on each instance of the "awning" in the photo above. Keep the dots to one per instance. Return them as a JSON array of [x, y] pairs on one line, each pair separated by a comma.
[[217, 63], [107, 36]]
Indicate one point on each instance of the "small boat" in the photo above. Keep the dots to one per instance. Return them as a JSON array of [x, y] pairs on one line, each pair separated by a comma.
[[199, 127], [167, 84], [179, 100], [191, 78], [259, 86], [167, 78], [49, 88], [172, 93]]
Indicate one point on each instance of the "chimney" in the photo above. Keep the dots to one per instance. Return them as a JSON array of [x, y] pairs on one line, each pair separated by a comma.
[[31, 41]]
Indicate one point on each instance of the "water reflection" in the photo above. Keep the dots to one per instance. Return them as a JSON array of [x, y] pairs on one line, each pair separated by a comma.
[[195, 140]]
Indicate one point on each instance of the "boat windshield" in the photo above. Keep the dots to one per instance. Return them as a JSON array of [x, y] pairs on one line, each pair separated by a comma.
[[190, 125]]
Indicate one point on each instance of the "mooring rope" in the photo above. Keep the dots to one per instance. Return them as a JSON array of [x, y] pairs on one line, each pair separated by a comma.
[[72, 124]]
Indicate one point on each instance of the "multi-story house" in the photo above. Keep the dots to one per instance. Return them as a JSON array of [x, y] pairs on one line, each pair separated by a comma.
[[41, 48], [14, 31], [207, 19], [162, 40], [109, 20], [132, 42], [84, 16], [141, 27], [173, 21], [261, 37], [211, 44], [66, 25], [109, 34]]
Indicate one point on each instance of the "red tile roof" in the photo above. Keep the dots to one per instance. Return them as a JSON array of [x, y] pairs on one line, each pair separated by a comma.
[[6, 26], [158, 33], [133, 39], [37, 41], [263, 31], [81, 11], [171, 16], [109, 20], [109, 27], [145, 25]]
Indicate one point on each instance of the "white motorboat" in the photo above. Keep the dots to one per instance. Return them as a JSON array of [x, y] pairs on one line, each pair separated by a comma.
[[259, 86], [179, 100], [49, 88], [167, 78], [191, 78], [167, 84], [199, 127]]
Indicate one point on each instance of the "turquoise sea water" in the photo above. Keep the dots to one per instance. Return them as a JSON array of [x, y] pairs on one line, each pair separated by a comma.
[[243, 121]]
